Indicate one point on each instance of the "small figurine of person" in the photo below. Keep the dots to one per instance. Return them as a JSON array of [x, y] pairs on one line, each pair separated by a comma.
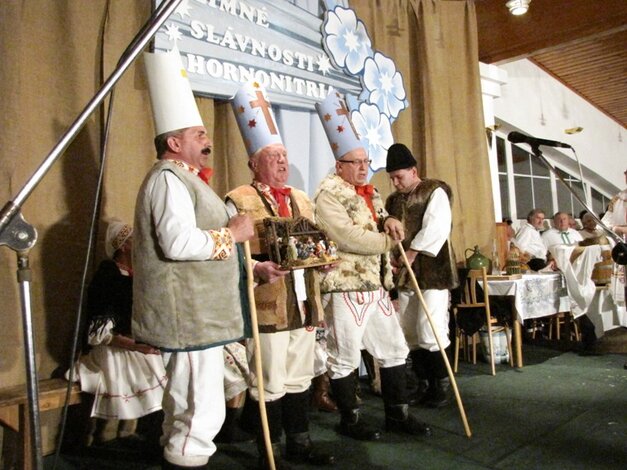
[[332, 249], [292, 251]]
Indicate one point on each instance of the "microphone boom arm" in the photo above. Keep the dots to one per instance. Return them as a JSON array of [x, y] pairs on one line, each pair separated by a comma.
[[619, 252]]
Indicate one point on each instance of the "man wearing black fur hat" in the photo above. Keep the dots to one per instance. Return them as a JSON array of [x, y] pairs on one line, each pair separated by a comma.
[[424, 206]]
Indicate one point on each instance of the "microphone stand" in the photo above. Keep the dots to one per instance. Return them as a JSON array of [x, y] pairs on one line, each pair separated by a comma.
[[20, 236], [619, 252]]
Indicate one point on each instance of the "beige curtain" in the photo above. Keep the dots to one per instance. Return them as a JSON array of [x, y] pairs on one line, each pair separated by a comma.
[[434, 45], [55, 57]]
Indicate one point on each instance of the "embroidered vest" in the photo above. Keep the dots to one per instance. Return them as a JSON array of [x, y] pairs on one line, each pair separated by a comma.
[[277, 305], [183, 305]]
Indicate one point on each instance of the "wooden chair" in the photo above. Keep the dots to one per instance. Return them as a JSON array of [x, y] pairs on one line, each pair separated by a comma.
[[471, 300]]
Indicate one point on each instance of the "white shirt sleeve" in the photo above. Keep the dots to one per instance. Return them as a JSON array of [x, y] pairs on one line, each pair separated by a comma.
[[175, 221], [436, 225]]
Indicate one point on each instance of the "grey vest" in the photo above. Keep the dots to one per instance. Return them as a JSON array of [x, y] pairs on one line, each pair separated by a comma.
[[183, 305]]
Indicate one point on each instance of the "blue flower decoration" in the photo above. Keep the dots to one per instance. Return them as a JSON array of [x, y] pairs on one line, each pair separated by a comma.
[[346, 40], [374, 131], [385, 85]]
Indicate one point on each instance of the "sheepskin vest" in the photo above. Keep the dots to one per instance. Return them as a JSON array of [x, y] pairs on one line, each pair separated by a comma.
[[183, 305], [431, 273], [355, 272], [277, 304]]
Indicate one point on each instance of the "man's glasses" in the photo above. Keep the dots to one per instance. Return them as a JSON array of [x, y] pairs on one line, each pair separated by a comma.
[[356, 162]]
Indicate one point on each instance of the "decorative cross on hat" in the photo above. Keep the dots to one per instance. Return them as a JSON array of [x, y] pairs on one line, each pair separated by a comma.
[[255, 118], [337, 124]]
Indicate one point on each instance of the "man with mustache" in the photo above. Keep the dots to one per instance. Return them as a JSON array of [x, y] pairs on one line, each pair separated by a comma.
[[184, 246], [288, 302]]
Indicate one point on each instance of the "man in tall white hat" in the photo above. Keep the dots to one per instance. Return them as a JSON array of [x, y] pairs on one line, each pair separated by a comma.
[[358, 309], [184, 246], [289, 308]]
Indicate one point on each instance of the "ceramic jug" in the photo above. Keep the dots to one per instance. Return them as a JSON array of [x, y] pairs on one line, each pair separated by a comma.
[[476, 260]]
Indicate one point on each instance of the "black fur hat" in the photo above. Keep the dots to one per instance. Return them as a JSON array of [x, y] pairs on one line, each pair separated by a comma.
[[399, 158]]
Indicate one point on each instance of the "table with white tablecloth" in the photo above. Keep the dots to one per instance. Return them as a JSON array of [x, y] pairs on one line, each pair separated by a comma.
[[543, 294]]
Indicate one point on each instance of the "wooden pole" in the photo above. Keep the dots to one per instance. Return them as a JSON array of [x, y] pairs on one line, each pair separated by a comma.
[[414, 282], [258, 367]]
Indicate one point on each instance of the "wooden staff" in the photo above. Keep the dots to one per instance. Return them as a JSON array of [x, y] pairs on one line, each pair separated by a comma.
[[414, 282], [258, 368]]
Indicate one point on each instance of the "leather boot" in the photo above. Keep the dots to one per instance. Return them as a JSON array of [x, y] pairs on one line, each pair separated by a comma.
[[352, 426], [441, 394], [279, 463], [274, 411], [299, 447], [321, 400], [350, 423], [419, 360], [397, 417], [230, 431]]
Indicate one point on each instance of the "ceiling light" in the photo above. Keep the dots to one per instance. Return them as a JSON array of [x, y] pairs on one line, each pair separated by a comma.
[[518, 7]]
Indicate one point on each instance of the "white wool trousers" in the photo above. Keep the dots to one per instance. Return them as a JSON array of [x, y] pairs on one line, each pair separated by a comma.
[[287, 359], [416, 327], [362, 320], [193, 405]]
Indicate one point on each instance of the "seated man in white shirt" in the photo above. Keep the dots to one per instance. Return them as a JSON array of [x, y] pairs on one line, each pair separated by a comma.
[[576, 265], [529, 240], [561, 233]]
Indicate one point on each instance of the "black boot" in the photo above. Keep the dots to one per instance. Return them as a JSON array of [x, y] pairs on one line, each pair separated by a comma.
[[279, 463], [299, 447], [230, 431], [397, 417], [419, 366], [442, 394], [274, 413], [350, 423]]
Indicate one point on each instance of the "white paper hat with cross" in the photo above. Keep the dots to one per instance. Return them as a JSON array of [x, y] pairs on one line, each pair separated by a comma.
[[340, 131], [173, 104], [255, 118]]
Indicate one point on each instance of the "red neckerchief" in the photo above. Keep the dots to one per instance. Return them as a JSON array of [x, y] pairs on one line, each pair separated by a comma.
[[280, 196], [205, 174], [366, 191]]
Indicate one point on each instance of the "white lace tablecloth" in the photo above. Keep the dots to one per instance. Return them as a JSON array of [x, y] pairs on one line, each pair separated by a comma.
[[539, 295], [535, 295]]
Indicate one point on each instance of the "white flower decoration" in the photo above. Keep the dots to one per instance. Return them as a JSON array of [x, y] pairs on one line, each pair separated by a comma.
[[385, 85], [346, 40], [374, 131]]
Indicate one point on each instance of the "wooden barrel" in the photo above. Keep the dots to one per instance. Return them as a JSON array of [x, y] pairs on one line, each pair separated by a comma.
[[602, 272]]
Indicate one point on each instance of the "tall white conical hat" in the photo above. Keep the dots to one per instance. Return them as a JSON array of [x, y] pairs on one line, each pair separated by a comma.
[[173, 105], [337, 124], [255, 118]]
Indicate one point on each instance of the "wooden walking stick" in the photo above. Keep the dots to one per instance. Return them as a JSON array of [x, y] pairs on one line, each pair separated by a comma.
[[414, 282], [258, 368]]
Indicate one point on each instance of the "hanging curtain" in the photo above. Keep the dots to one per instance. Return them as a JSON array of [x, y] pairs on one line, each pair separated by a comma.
[[434, 45]]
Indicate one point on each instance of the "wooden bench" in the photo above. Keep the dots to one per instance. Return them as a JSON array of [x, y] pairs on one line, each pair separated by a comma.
[[14, 415]]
